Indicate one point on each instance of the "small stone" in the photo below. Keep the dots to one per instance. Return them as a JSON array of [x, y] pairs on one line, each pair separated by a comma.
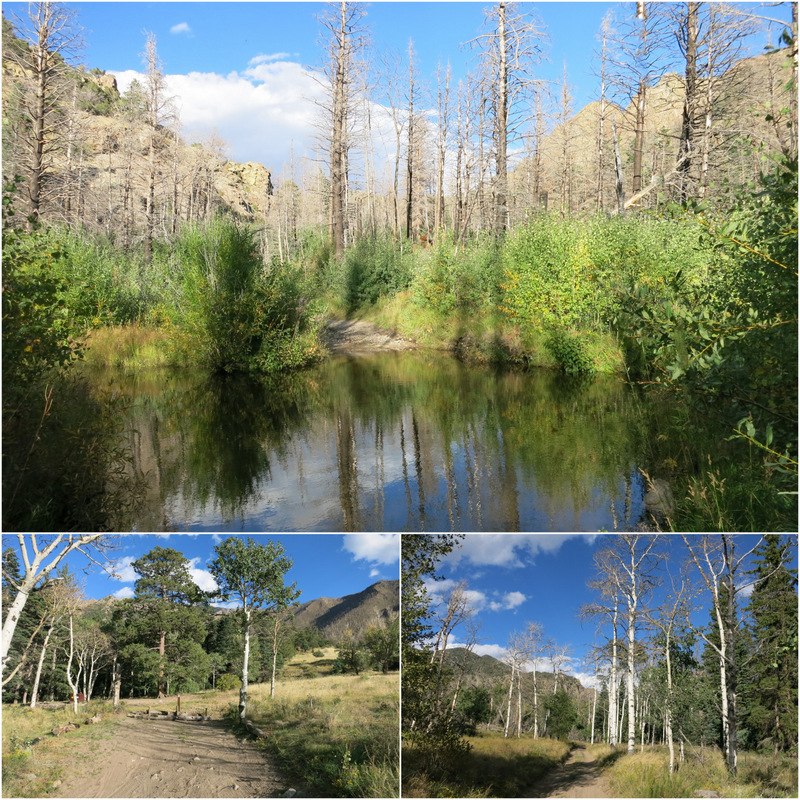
[[154, 776], [211, 769], [56, 784], [289, 793], [196, 758], [29, 776], [235, 787], [180, 769]]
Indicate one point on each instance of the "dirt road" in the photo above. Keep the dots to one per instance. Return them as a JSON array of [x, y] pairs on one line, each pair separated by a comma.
[[351, 337], [150, 758], [578, 777]]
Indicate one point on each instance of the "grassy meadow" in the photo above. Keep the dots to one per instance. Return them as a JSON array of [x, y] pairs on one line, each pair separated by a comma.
[[493, 767], [647, 775], [34, 769], [330, 735]]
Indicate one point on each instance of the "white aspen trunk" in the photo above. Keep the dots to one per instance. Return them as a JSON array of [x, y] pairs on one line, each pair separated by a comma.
[[245, 664], [631, 640], [72, 684], [668, 714], [613, 697], [594, 706], [510, 693], [535, 704], [519, 705], [35, 690], [274, 657]]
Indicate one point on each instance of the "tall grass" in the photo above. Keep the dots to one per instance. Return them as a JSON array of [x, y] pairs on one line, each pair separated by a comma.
[[493, 767], [647, 775], [336, 735]]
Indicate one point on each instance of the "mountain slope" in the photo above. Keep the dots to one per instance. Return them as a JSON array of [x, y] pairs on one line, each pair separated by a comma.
[[357, 612]]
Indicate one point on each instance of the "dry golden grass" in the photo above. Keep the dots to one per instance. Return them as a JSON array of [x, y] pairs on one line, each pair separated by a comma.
[[647, 775], [337, 734]]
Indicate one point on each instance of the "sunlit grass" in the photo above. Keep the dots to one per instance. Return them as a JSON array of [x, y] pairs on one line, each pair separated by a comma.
[[337, 734], [30, 767], [129, 347], [333, 735], [647, 775]]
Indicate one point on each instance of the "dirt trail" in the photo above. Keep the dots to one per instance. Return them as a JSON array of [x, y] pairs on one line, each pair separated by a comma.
[[154, 758], [578, 777], [352, 337]]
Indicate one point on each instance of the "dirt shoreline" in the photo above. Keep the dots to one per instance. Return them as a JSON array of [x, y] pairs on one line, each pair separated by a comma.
[[356, 337], [154, 758]]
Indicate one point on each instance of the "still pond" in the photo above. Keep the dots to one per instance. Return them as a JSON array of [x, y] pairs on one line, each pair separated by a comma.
[[404, 441]]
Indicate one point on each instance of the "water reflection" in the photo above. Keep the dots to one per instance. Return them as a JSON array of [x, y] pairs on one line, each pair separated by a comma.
[[394, 442]]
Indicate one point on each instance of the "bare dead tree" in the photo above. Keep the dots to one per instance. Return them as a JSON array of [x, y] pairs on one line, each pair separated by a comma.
[[53, 39], [346, 36], [510, 48]]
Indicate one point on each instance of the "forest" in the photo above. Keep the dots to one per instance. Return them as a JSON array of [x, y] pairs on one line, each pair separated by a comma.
[[650, 235], [233, 653], [165, 640], [675, 705]]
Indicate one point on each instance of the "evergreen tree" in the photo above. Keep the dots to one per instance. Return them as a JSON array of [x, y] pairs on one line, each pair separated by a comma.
[[164, 613], [771, 685]]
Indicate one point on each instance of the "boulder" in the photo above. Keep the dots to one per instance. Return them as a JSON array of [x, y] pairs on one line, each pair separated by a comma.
[[659, 499]]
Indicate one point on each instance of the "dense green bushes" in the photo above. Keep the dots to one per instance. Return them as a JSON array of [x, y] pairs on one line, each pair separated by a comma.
[[64, 466], [234, 315]]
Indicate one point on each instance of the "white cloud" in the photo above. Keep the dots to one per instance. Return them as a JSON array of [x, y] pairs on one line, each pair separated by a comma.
[[263, 59], [374, 573], [261, 111], [122, 570], [495, 650], [123, 593], [509, 549], [181, 27], [508, 601], [380, 548], [203, 578]]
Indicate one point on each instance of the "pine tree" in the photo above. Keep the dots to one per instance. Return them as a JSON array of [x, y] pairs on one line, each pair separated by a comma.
[[163, 592], [771, 695]]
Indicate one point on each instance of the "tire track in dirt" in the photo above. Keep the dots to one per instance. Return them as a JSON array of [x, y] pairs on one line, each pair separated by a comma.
[[149, 758], [579, 776]]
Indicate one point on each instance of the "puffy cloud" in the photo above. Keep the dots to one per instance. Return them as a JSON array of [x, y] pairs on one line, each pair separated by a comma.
[[259, 111], [181, 27], [122, 570], [508, 601], [123, 593], [203, 578], [380, 548], [509, 549]]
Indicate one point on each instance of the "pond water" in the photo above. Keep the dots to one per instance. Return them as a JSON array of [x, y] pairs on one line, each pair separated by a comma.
[[404, 441]]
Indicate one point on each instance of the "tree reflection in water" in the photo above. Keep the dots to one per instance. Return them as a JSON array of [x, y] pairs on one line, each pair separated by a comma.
[[396, 441]]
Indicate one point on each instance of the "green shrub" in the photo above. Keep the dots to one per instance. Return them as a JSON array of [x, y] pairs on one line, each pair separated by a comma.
[[235, 315], [228, 681], [569, 351]]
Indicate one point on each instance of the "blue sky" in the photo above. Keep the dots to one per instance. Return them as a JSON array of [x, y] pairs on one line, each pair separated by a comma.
[[521, 578], [243, 68], [325, 565]]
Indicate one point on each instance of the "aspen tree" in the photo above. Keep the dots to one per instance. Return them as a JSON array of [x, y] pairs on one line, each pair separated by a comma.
[[719, 567]]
